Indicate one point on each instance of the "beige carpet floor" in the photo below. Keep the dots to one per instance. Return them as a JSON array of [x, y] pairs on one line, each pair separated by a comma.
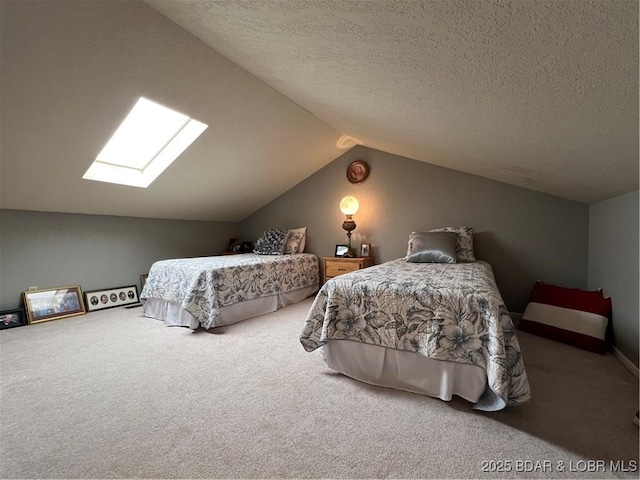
[[116, 395]]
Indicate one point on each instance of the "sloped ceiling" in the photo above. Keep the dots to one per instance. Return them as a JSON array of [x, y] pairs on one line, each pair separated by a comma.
[[70, 73], [539, 94]]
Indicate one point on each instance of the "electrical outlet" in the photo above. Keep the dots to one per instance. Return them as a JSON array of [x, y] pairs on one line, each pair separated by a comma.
[[33, 289]]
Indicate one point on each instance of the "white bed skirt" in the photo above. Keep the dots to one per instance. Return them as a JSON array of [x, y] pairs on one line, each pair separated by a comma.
[[172, 313], [408, 371]]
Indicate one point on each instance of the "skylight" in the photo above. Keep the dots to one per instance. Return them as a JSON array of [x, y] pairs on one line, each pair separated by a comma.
[[149, 139]]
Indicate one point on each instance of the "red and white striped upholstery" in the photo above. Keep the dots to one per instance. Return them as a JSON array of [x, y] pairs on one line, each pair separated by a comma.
[[569, 315]]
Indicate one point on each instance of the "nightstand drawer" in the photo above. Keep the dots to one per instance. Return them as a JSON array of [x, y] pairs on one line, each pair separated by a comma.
[[336, 266], [339, 268]]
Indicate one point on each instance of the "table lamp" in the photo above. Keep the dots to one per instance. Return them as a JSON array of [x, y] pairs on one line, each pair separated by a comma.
[[349, 207]]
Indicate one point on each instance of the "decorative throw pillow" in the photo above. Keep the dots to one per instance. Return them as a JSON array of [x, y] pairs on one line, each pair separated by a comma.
[[303, 231], [432, 247], [293, 241], [464, 244], [271, 242], [569, 315]]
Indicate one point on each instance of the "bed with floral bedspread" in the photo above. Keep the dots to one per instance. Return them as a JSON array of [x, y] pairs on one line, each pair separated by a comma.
[[447, 312], [204, 285]]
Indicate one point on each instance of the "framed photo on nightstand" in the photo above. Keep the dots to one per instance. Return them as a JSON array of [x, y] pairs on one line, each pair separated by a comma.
[[365, 249]]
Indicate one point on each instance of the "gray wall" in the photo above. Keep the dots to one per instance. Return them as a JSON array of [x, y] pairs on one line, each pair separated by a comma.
[[613, 265], [58, 249], [525, 235]]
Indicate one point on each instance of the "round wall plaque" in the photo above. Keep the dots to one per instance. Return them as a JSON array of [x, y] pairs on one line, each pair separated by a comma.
[[358, 171]]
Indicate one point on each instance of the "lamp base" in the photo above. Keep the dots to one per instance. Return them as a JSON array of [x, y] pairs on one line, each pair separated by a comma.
[[349, 225]]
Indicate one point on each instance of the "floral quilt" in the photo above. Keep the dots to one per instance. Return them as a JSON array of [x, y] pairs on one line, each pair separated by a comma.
[[203, 285], [451, 312]]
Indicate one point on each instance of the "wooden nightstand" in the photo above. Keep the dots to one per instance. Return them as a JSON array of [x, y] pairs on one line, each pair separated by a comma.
[[334, 266]]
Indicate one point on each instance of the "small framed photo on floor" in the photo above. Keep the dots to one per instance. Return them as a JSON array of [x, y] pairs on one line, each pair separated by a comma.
[[234, 243], [53, 303], [111, 297], [12, 318], [143, 281]]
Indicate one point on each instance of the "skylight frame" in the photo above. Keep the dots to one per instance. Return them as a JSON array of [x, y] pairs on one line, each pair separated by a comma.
[[127, 160]]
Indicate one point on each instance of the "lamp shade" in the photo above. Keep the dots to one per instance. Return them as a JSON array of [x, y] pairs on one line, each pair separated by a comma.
[[349, 205]]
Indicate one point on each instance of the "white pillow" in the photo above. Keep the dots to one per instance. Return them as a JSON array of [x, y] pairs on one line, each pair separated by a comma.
[[303, 241], [294, 237]]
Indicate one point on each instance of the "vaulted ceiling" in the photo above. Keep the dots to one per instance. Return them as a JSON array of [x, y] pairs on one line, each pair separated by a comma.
[[72, 70], [539, 94]]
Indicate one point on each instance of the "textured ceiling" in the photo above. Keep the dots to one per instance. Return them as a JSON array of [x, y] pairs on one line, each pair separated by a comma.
[[540, 94]]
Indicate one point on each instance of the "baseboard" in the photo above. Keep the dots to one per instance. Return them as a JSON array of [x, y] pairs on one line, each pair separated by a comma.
[[626, 362]]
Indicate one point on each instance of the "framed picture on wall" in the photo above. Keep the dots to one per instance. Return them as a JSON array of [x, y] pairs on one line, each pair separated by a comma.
[[53, 303], [111, 297], [12, 318], [358, 171]]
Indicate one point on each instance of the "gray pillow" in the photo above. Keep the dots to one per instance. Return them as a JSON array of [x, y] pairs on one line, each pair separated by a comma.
[[432, 247], [464, 244]]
